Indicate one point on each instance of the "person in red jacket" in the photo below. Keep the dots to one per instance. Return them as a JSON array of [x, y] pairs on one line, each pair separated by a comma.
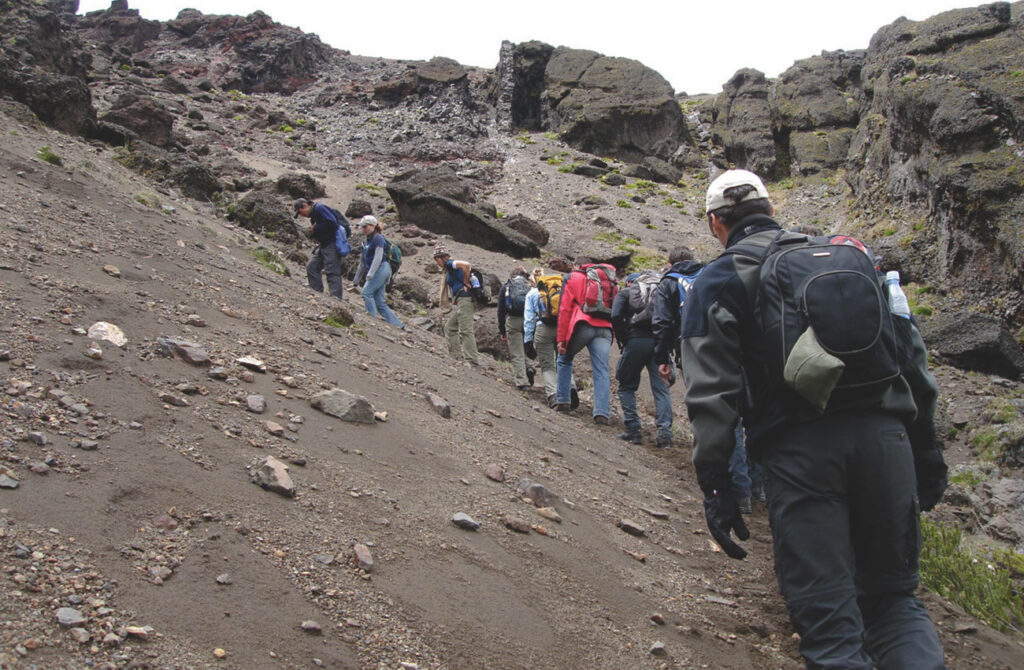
[[578, 329]]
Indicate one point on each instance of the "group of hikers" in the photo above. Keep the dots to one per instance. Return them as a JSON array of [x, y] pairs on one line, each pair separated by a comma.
[[798, 355]]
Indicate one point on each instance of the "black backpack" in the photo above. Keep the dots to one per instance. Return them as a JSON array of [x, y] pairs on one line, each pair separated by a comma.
[[641, 296], [479, 292], [516, 289], [342, 221], [808, 283]]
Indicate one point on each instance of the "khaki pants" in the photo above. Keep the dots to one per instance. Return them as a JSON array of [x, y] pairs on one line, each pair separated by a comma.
[[514, 329], [544, 341], [459, 331]]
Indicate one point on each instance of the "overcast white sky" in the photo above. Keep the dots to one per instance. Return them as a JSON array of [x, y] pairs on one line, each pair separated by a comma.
[[697, 46]]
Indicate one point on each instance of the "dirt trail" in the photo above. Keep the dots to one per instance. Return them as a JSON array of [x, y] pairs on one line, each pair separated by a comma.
[[167, 486]]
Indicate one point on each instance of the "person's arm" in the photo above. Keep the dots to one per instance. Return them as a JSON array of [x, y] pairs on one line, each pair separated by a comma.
[[566, 308], [322, 219], [530, 315], [929, 462], [665, 320], [502, 312], [377, 255], [621, 314]]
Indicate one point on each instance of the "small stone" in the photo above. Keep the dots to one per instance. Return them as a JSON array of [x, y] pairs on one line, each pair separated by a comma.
[[111, 640], [343, 405], [171, 399], [141, 632], [654, 513], [112, 270], [465, 521], [325, 559], [86, 445], [311, 627], [69, 617], [363, 557], [159, 574], [658, 649], [190, 352], [550, 514], [274, 429], [658, 619], [7, 481], [632, 528], [517, 525], [272, 475], [107, 332], [247, 376], [218, 373], [224, 579], [219, 653], [165, 522], [965, 628], [256, 404], [623, 472], [537, 493], [290, 382], [94, 352], [79, 635], [440, 405], [252, 363], [195, 320], [39, 468], [38, 438], [495, 472]]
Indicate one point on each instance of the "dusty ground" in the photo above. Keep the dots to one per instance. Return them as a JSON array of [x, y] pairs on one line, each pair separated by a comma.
[[167, 487]]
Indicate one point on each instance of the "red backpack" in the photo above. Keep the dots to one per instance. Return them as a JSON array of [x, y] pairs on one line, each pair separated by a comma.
[[599, 291]]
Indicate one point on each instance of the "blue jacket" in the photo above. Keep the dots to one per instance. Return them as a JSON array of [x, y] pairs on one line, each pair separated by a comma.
[[531, 314], [373, 254], [325, 225]]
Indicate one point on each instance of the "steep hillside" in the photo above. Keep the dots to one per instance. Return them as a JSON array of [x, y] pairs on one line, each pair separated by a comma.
[[154, 196]]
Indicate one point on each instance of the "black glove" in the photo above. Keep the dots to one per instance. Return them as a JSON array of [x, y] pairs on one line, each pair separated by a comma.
[[931, 470], [531, 351], [723, 512]]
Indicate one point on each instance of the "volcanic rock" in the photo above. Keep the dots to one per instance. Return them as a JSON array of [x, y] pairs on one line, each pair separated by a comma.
[[343, 405]]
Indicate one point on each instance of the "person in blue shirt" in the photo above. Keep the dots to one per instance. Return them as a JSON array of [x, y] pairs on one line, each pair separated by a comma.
[[378, 272], [325, 258], [459, 329]]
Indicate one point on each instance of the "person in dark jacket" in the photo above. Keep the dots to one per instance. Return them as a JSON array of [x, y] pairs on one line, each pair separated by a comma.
[[325, 258], [378, 272], [511, 309], [665, 321], [633, 332], [844, 487]]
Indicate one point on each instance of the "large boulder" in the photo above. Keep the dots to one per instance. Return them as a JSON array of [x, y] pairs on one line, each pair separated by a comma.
[[298, 185], [119, 27], [417, 202], [265, 213], [528, 227], [742, 123], [975, 341], [143, 115], [519, 90], [44, 66], [431, 77], [488, 339], [343, 405], [194, 179]]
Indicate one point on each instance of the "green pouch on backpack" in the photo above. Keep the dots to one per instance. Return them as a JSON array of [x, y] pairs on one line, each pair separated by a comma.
[[811, 371]]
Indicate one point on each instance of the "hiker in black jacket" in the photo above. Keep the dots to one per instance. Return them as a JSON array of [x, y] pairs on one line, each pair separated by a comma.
[[845, 483], [325, 258], [665, 320]]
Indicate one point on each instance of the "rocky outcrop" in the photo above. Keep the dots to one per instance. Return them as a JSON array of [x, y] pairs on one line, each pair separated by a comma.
[[742, 123], [144, 116], [43, 64], [265, 213], [297, 185], [194, 179], [606, 106], [256, 54], [437, 200], [120, 29], [440, 91], [528, 227]]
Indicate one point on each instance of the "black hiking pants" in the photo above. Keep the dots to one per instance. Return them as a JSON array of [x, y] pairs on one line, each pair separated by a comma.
[[843, 508]]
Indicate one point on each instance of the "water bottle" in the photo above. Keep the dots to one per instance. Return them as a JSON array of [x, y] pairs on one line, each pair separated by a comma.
[[475, 283], [898, 303]]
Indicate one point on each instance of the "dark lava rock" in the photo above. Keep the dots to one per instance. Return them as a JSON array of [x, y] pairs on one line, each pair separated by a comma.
[[975, 342], [267, 214], [143, 115], [742, 123], [518, 93], [424, 78], [417, 202], [193, 178], [296, 185], [357, 209], [529, 227]]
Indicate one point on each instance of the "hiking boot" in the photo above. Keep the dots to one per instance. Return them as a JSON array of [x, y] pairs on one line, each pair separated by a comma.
[[552, 401], [759, 495], [523, 387], [632, 436], [562, 407], [663, 442], [574, 399], [531, 374], [744, 504], [601, 420]]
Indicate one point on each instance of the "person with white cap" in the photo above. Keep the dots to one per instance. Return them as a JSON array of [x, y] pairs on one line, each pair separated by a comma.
[[846, 477], [378, 271]]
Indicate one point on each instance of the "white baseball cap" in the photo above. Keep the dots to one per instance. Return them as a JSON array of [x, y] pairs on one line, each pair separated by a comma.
[[716, 197]]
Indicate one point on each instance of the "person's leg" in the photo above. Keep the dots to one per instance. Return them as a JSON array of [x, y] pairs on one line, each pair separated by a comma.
[[756, 479], [369, 299], [514, 327], [544, 342], [380, 295], [662, 399], [467, 331], [451, 333], [313, 269], [627, 372], [738, 468], [886, 539], [805, 470], [332, 268], [564, 363], [600, 348]]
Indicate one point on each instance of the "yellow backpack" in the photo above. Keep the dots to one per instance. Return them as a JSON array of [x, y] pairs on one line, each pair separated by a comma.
[[550, 289]]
